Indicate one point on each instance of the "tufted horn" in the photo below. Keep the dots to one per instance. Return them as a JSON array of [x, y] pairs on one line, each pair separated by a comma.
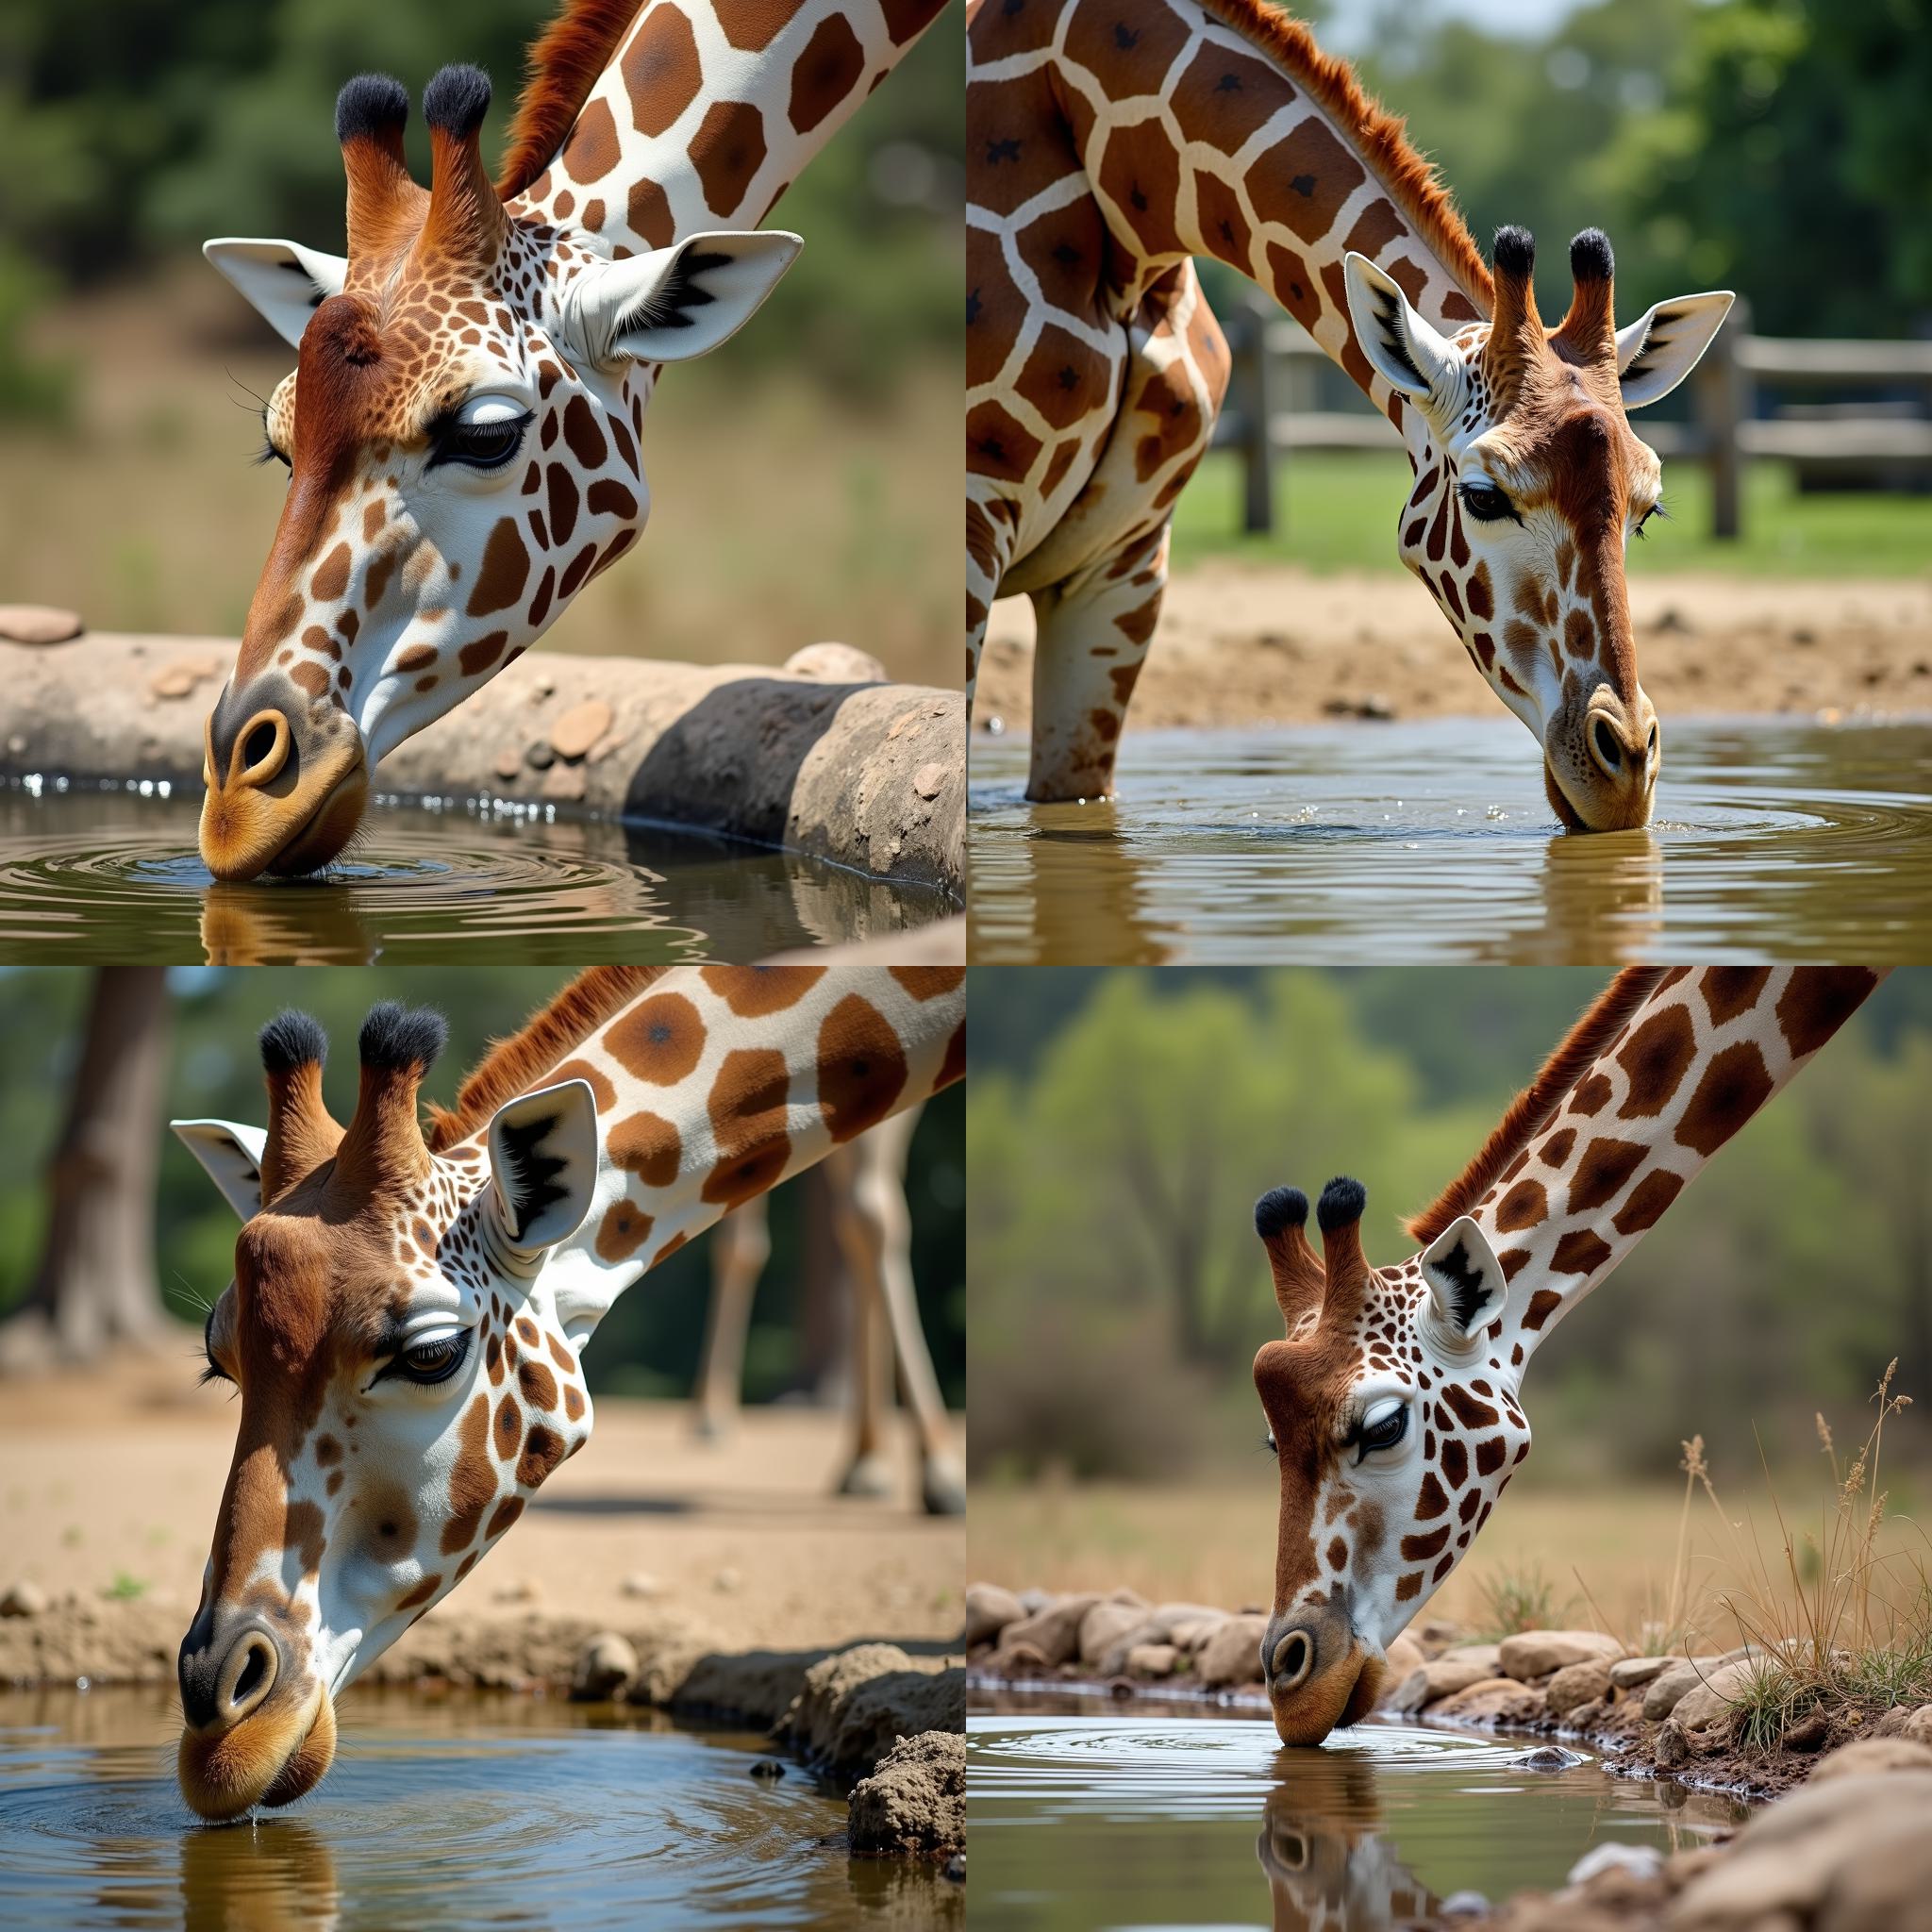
[[1588, 334], [384, 1142], [301, 1134], [385, 203], [1280, 1215], [466, 219], [1516, 331], [1346, 1268]]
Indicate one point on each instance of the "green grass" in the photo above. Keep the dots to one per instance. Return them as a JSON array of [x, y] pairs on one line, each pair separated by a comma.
[[1337, 511]]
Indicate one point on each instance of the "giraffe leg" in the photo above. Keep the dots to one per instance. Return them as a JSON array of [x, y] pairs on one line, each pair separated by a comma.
[[740, 1245], [867, 1473], [1092, 641], [877, 1231], [989, 548]]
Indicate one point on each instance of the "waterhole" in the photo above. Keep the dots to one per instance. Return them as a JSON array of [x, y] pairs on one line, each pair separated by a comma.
[[1432, 842], [1167, 1817], [105, 874], [449, 1811]]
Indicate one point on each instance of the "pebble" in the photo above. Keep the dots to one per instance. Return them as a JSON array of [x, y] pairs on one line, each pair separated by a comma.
[[509, 763], [769, 1769], [540, 758], [955, 1868], [578, 729], [642, 1583], [929, 780], [1547, 1758], [565, 784], [37, 623], [23, 1599]]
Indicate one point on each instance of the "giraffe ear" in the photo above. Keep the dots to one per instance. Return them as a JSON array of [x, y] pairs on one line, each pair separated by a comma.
[[286, 282], [1402, 348], [230, 1155], [1466, 1281], [678, 302], [1665, 344], [543, 1158]]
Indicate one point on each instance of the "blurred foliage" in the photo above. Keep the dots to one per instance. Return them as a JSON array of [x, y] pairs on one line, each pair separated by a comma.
[[1124, 1123], [650, 1343], [133, 128]]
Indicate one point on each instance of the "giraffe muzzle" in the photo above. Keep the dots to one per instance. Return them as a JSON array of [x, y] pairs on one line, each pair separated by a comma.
[[1601, 772], [227, 1670], [1318, 1672]]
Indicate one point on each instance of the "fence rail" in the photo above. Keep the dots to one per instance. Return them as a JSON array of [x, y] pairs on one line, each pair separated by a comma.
[[1879, 444]]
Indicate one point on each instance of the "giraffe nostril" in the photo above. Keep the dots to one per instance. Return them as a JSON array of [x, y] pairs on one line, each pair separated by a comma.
[[253, 1672], [258, 745], [1609, 753], [1294, 1657]]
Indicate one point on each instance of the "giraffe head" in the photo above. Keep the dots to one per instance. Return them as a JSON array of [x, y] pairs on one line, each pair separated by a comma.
[[1395, 1421], [408, 1376], [462, 435], [1529, 485]]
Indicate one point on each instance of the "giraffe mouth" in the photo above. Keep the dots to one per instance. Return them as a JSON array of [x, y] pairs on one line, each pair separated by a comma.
[[272, 1757], [248, 831], [1625, 808]]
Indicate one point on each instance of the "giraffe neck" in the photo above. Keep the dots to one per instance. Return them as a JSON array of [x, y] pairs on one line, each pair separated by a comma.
[[1696, 1060], [716, 1083], [706, 114], [1217, 127]]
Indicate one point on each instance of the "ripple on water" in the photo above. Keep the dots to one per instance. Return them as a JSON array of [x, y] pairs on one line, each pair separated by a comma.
[[1433, 842], [435, 1815], [102, 875]]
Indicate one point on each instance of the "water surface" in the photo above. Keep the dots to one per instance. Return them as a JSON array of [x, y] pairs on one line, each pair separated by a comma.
[[1433, 842], [112, 874], [1080, 1816], [453, 1811]]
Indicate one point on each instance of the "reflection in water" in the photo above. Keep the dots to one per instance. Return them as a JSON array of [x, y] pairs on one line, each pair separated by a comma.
[[449, 1813], [103, 874], [1433, 842], [1153, 1819]]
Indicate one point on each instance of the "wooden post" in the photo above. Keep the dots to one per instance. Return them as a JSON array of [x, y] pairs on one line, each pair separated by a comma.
[[1723, 401], [1251, 362]]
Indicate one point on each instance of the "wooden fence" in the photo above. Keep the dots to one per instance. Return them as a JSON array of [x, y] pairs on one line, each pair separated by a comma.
[[1884, 444]]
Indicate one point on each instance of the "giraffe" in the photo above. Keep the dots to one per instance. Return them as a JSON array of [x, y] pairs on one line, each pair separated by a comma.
[[1114, 140], [463, 427], [407, 1318], [866, 1183], [1394, 1400]]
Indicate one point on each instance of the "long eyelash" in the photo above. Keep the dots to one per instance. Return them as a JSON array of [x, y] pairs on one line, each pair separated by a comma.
[[210, 1373]]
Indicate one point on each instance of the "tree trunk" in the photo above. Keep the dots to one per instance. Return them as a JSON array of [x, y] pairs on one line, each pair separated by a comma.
[[94, 1289]]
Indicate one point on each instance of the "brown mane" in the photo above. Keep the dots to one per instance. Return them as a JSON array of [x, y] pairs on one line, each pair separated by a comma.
[[1380, 138], [1533, 1107], [514, 1065], [561, 70]]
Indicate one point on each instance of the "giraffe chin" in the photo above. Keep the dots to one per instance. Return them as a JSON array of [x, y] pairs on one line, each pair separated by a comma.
[[1625, 810], [1332, 1700], [247, 833], [255, 1763]]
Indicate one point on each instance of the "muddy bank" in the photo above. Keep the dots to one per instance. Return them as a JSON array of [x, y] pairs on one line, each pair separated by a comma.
[[821, 759], [1839, 1846], [1243, 644]]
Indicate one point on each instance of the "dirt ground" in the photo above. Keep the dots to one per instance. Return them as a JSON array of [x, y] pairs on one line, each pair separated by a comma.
[[110, 1483], [1243, 644]]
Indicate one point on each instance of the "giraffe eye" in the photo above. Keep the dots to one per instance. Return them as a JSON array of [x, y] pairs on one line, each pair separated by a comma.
[[433, 1361], [1486, 503], [1383, 1427], [484, 433]]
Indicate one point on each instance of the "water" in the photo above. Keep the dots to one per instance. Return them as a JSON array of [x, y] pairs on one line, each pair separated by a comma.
[[108, 875], [1433, 842], [1189, 1820], [447, 1811]]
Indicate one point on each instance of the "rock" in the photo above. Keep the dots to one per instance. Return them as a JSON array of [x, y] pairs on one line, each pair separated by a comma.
[[1575, 1684], [1435, 1634], [836, 664], [1640, 1861], [1809, 1733], [1167, 1624], [1494, 1701], [179, 679], [769, 1769], [1489, 1655], [1917, 1726], [578, 729], [509, 763], [1587, 1715], [1537, 1653], [564, 785], [989, 1610], [1548, 1758], [1849, 1856], [1717, 1696], [1661, 1696], [914, 1804], [37, 623], [1402, 1655], [23, 1599], [539, 756], [1233, 1653], [1443, 1677], [1034, 1601], [929, 780], [1192, 1635], [857, 1703], [1151, 1660], [1672, 1748], [1633, 1672], [1103, 1626], [1052, 1633], [1864, 1756], [604, 1666], [641, 1583]]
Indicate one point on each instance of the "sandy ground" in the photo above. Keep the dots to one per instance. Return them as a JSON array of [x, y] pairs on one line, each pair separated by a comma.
[[1245, 644], [118, 1475]]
